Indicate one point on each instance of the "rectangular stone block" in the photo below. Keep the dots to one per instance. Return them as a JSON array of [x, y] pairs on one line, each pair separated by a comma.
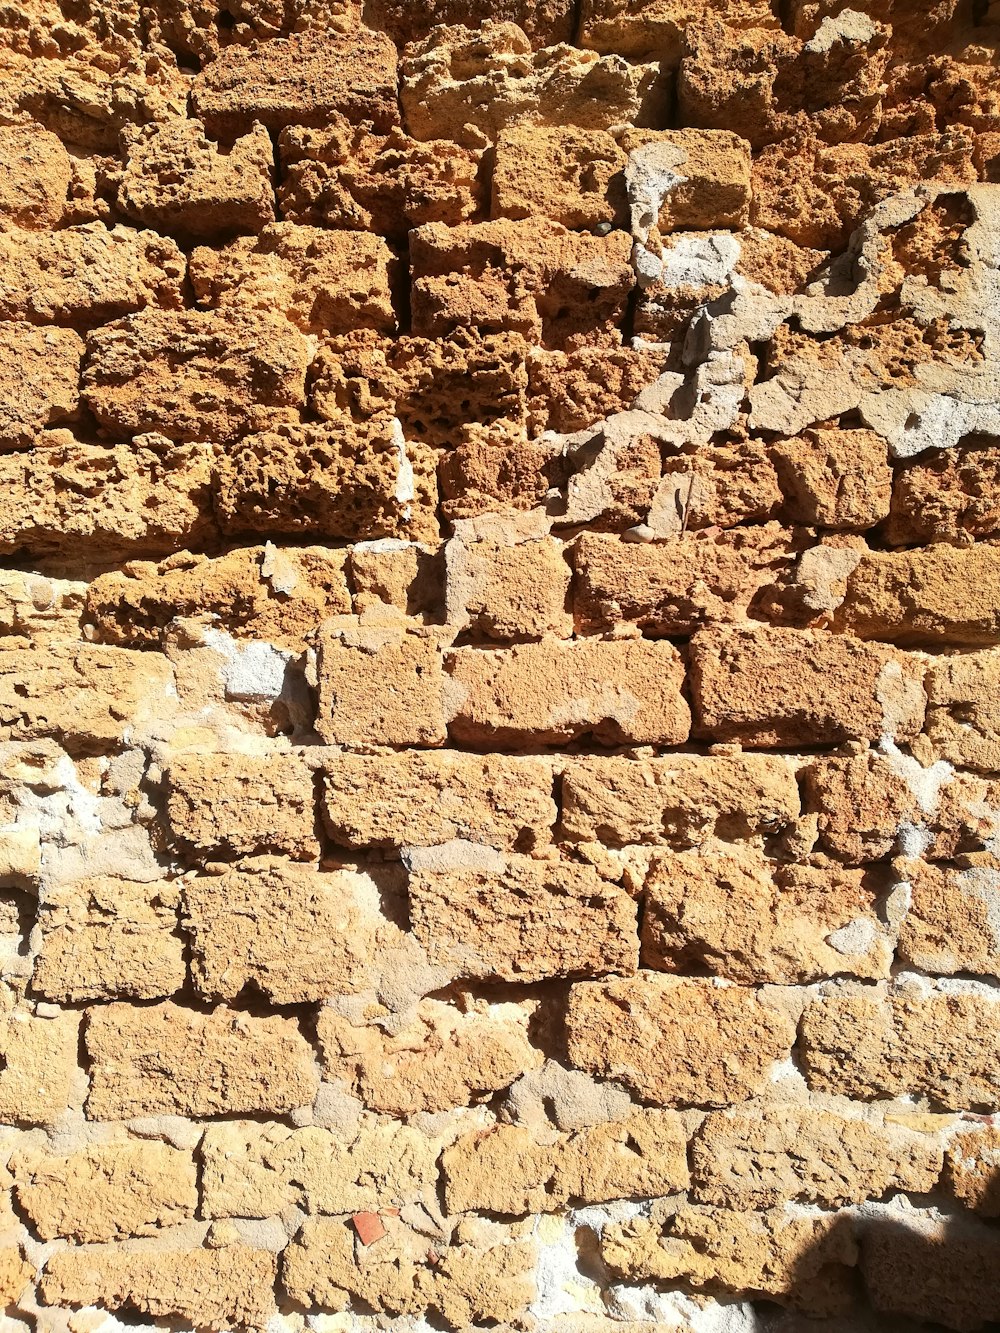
[[355, 482], [572, 176], [678, 1041], [381, 682], [167, 1060], [40, 1077], [506, 581], [303, 79], [211, 375], [288, 931], [963, 713], [766, 686], [232, 804], [618, 692], [910, 1039], [708, 173], [39, 379], [683, 800], [950, 495], [110, 502], [106, 938], [107, 1191], [518, 919], [416, 800]]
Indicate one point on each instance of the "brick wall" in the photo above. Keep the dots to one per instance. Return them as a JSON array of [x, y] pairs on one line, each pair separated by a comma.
[[499, 666]]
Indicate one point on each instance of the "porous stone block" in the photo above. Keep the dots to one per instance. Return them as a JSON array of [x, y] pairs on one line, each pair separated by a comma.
[[504, 584], [679, 180], [34, 193], [40, 1072], [40, 384], [835, 478], [950, 495], [572, 176], [952, 921], [963, 709]]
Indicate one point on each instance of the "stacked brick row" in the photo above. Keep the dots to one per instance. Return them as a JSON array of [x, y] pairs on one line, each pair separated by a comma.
[[499, 666]]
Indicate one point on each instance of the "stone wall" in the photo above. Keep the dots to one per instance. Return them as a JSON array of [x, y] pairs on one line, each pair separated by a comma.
[[500, 665]]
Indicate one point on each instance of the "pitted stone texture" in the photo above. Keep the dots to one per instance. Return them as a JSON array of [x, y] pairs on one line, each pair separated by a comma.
[[686, 179], [655, 28], [40, 170], [303, 79], [337, 481], [910, 1039], [443, 1058], [241, 804], [952, 923], [416, 799], [775, 687], [86, 275], [504, 1169], [488, 78], [569, 175], [41, 370], [40, 1072], [147, 497], [837, 479], [289, 932], [766, 1153], [323, 281], [970, 1174], [106, 1192], [753, 920], [107, 938], [505, 583], [963, 713], [196, 375], [176, 179], [683, 800], [169, 1060], [213, 1288], [553, 691], [950, 495], [254, 592], [545, 23], [523, 920], [678, 1041]]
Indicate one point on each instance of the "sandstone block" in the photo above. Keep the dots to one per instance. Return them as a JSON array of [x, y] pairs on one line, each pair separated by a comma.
[[730, 485], [674, 587], [148, 496], [255, 592], [573, 391], [910, 1039], [107, 1191], [803, 1261], [212, 1288], [970, 1169], [40, 1071], [196, 375], [950, 495], [442, 1058], [86, 275], [505, 1170], [684, 799], [42, 370], [751, 920], [765, 1154], [15, 1274], [560, 288], [177, 180], [86, 695], [553, 691], [938, 595], [303, 79], [572, 176], [963, 714], [289, 932], [417, 800], [655, 28], [951, 924], [862, 803], [773, 687], [506, 584], [241, 804], [339, 481], [343, 176], [322, 281], [168, 1060], [835, 478], [545, 23], [523, 920], [483, 475], [677, 1041], [380, 683], [34, 193], [489, 78], [688, 179], [107, 938]]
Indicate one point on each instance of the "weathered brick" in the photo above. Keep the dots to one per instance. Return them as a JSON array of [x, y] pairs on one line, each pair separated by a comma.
[[107, 938], [554, 691], [168, 1060], [106, 1191], [770, 687], [419, 799], [241, 804], [286, 931], [523, 920], [677, 1041], [683, 800]]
